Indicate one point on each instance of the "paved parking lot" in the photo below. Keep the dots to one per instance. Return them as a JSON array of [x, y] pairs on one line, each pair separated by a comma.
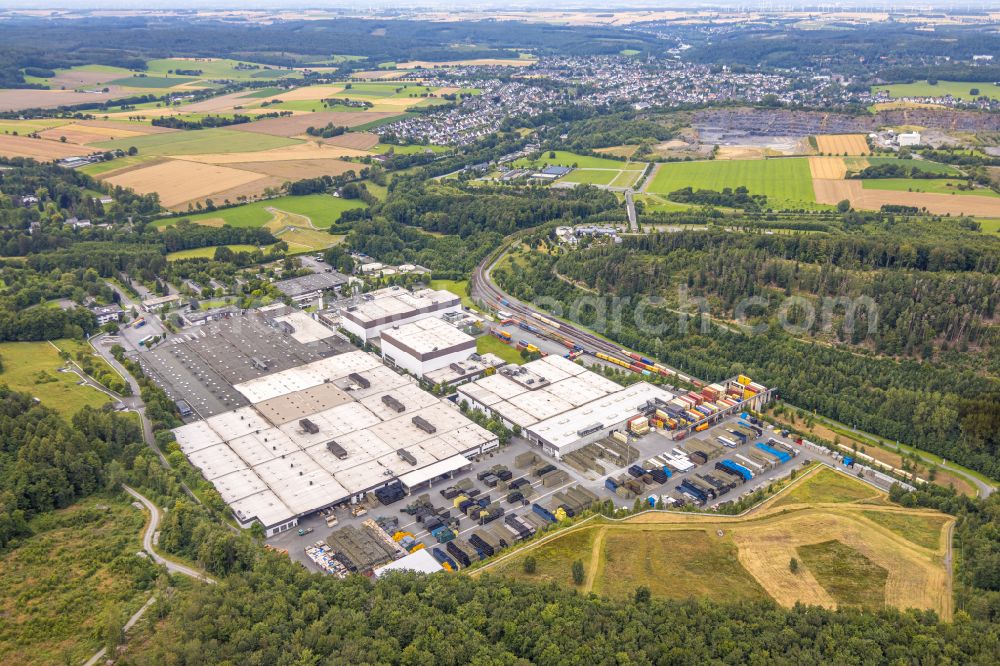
[[652, 444]]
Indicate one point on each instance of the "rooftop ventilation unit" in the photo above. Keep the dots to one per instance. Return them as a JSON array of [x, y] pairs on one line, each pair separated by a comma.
[[393, 404], [336, 449], [359, 380], [407, 456], [424, 425], [308, 426]]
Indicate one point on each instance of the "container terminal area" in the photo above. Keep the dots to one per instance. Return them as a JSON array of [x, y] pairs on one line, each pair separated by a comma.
[[509, 493]]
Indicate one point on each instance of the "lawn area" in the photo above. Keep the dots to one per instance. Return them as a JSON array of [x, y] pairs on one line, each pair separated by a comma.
[[658, 559], [554, 559], [990, 224], [58, 586], [206, 252], [456, 287], [411, 149], [565, 158], [923, 530], [321, 209], [152, 81], [787, 182], [957, 89], [490, 344], [75, 347], [847, 575], [33, 367], [199, 141], [97, 168], [591, 176], [828, 486], [931, 185]]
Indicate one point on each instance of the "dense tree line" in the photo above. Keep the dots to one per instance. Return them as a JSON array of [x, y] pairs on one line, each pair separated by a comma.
[[931, 405], [728, 197], [278, 613], [976, 540], [47, 463]]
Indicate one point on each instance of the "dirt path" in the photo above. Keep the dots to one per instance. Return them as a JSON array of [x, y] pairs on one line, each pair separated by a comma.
[[596, 551], [282, 219]]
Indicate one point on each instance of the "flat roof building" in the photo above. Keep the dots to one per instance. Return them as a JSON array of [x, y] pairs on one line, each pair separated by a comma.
[[595, 420], [425, 345], [310, 287], [107, 313], [326, 432], [395, 306], [558, 404]]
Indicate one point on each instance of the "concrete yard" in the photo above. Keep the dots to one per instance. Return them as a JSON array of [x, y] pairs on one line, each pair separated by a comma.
[[652, 444]]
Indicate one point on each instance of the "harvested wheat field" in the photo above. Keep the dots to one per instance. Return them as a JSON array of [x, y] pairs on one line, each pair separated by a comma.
[[250, 191], [827, 167], [16, 99], [178, 181], [138, 128], [839, 144], [294, 125], [43, 150], [853, 548], [303, 151], [86, 134], [833, 191], [299, 169], [355, 140]]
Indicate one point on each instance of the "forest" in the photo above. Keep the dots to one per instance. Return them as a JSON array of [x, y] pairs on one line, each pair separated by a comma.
[[926, 374], [53, 44]]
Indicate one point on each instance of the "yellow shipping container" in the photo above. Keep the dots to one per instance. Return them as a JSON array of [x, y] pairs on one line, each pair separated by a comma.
[[559, 514], [459, 500], [747, 394], [743, 380]]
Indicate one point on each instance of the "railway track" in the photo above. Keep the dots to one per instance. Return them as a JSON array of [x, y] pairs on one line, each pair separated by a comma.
[[488, 293]]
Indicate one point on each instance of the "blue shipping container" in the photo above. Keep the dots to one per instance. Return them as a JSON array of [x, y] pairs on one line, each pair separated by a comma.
[[610, 484], [782, 456], [739, 469]]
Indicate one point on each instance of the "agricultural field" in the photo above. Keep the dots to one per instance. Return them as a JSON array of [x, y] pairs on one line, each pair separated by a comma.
[[141, 81], [787, 182], [842, 144], [179, 182], [218, 68], [934, 185], [957, 89], [852, 548], [39, 149], [58, 586], [320, 211], [197, 142], [863, 198], [33, 367]]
